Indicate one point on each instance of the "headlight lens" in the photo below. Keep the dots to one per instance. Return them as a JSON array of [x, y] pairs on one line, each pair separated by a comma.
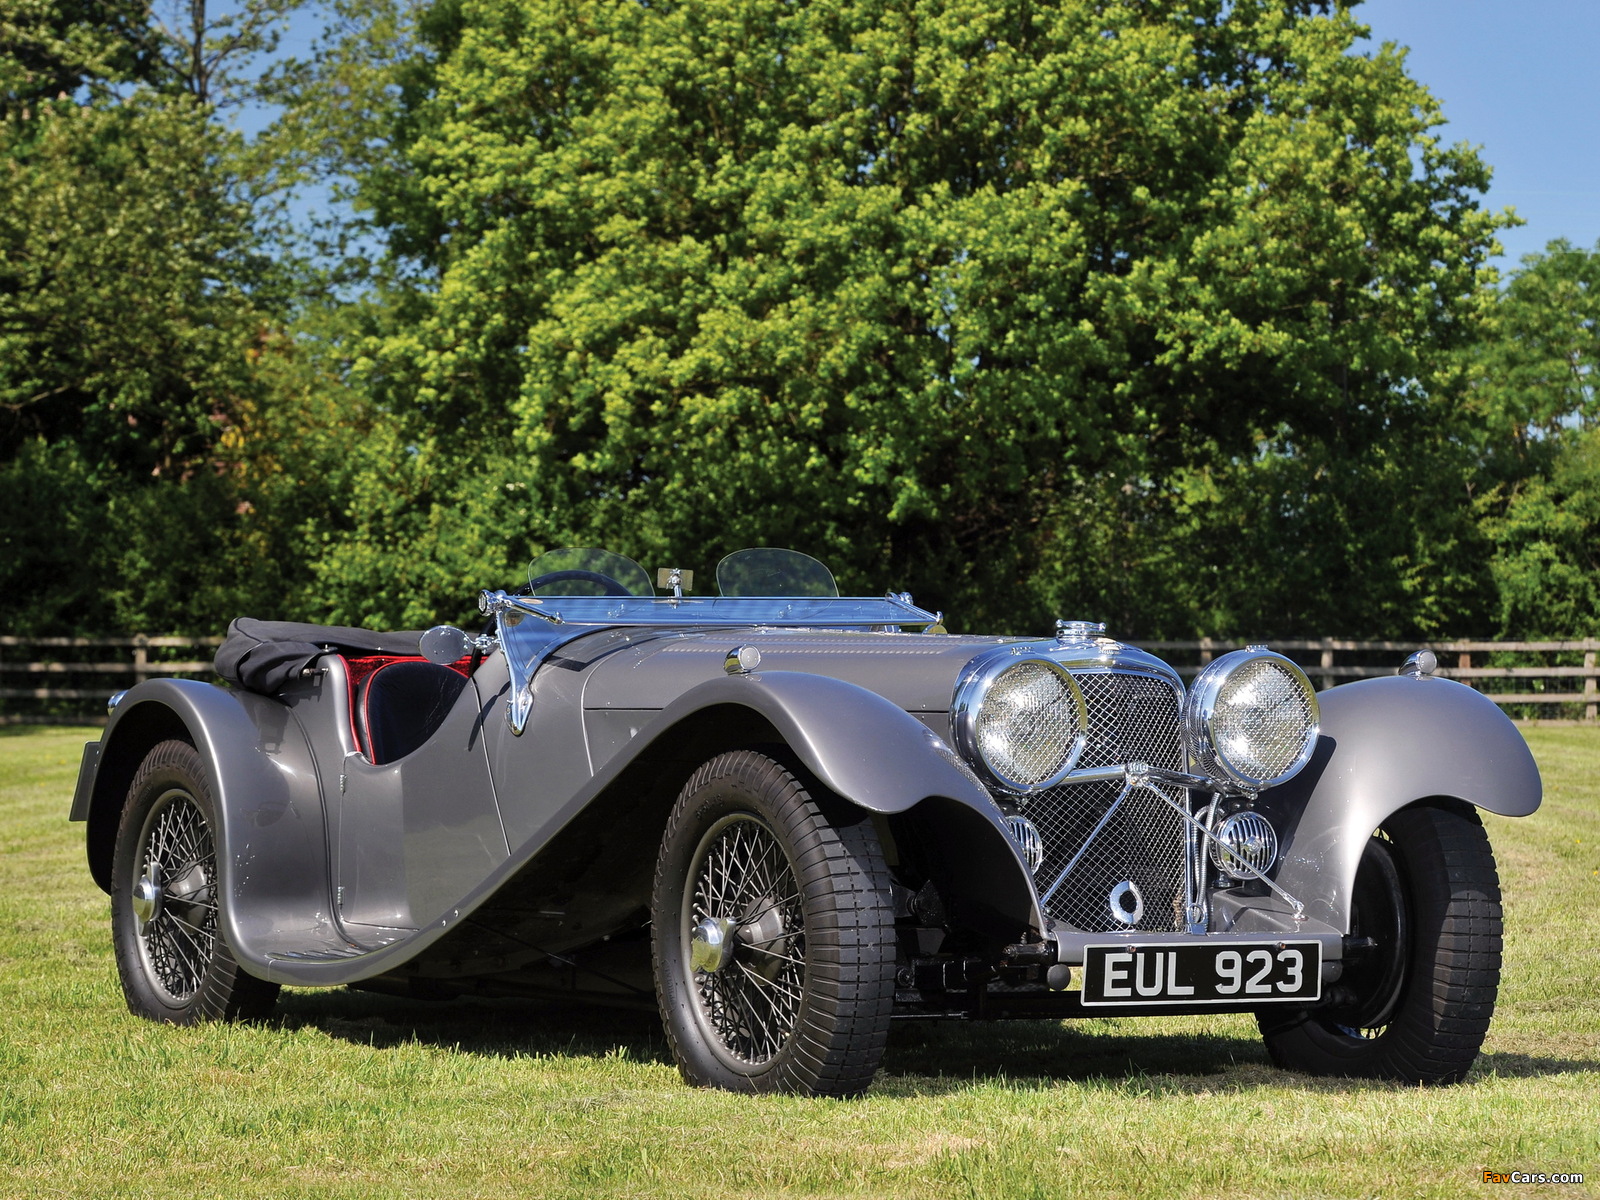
[[1022, 722], [1251, 719]]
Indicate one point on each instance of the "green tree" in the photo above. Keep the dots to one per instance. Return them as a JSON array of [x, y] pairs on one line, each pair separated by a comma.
[[1118, 309], [1535, 368], [1534, 379], [140, 310], [49, 49], [126, 280], [1546, 539]]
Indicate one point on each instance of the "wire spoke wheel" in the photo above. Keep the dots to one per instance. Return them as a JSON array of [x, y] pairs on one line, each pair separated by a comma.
[[176, 878], [773, 933], [166, 900], [742, 879]]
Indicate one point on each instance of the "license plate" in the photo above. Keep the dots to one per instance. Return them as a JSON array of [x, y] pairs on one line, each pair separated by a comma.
[[1242, 973]]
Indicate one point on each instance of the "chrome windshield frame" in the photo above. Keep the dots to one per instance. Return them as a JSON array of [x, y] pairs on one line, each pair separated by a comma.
[[527, 643], [807, 612]]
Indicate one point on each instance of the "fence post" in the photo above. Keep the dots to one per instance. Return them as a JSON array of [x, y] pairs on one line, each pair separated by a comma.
[[141, 660], [1464, 663], [1205, 651], [1327, 662], [1589, 691]]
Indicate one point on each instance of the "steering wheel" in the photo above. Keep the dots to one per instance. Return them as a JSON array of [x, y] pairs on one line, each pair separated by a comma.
[[612, 587]]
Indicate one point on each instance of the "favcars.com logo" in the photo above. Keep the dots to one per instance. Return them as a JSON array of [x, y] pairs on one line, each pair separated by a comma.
[[1529, 1177]]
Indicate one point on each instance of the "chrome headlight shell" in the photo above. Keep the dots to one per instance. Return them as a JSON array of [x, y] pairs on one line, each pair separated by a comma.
[[1251, 720], [1021, 721]]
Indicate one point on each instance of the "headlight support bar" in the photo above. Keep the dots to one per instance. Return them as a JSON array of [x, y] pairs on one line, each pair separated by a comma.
[[1141, 775]]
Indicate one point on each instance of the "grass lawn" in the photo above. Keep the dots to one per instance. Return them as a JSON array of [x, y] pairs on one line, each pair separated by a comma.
[[349, 1094]]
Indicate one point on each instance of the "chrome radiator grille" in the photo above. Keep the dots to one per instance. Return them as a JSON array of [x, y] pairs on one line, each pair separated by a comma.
[[1132, 718]]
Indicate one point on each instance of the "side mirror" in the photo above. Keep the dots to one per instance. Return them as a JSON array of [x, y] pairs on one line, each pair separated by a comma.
[[444, 644]]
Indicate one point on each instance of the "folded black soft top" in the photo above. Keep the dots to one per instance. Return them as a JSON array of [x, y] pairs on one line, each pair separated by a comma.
[[264, 656]]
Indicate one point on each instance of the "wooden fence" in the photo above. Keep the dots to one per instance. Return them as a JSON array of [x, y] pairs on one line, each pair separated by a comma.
[[1538, 681], [51, 679], [70, 679]]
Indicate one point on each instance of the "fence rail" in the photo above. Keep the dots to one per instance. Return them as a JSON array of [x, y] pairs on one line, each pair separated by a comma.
[[48, 679], [1561, 683], [51, 678]]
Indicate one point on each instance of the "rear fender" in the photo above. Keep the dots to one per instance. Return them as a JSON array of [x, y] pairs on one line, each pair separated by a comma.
[[1387, 743], [270, 831]]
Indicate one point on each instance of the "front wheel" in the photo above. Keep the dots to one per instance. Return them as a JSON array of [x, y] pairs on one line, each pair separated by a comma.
[[1415, 1004], [773, 933], [174, 963]]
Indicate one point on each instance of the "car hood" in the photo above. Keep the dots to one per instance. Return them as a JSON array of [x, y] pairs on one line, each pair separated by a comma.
[[648, 670]]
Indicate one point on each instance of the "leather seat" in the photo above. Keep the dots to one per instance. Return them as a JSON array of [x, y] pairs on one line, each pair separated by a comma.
[[401, 704]]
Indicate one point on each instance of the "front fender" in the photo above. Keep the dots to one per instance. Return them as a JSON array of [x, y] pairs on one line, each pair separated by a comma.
[[864, 747], [270, 830], [1387, 743], [877, 756]]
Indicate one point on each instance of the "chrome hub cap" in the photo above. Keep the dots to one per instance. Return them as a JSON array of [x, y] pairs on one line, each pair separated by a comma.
[[146, 900], [709, 946], [174, 898], [745, 934]]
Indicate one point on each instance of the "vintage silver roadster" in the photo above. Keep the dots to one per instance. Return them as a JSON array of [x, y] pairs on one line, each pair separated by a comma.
[[787, 817]]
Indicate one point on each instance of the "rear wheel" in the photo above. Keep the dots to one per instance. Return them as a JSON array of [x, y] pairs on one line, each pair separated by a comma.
[[173, 960], [1415, 1005], [773, 933]]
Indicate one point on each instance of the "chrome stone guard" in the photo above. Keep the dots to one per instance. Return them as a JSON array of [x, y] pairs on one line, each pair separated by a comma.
[[1143, 777]]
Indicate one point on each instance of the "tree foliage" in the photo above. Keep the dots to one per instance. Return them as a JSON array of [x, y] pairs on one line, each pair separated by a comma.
[[1534, 373], [1171, 314], [1038, 308], [139, 302]]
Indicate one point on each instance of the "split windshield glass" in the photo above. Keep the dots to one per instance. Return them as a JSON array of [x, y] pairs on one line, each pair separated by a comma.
[[761, 571]]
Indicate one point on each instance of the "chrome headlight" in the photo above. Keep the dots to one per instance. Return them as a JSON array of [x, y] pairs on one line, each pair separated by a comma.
[[1022, 722], [1251, 719]]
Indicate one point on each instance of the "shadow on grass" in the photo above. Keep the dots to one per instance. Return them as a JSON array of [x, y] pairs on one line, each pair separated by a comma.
[[928, 1058], [924, 1058], [1525, 1066], [490, 1028]]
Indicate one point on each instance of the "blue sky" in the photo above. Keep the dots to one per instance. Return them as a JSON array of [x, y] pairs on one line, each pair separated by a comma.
[[1516, 79]]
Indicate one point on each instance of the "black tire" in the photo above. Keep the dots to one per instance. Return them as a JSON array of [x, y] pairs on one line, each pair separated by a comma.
[[798, 996], [1416, 1007], [173, 960]]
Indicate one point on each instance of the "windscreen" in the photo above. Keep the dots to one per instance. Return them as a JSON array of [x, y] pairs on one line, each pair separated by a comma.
[[767, 571], [587, 572]]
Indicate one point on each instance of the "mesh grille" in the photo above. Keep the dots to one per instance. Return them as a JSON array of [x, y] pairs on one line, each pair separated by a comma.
[[1132, 718], [1143, 843]]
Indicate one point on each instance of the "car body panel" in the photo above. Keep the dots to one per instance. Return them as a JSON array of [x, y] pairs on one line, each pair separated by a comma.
[[1387, 743], [370, 863], [271, 833], [339, 870]]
